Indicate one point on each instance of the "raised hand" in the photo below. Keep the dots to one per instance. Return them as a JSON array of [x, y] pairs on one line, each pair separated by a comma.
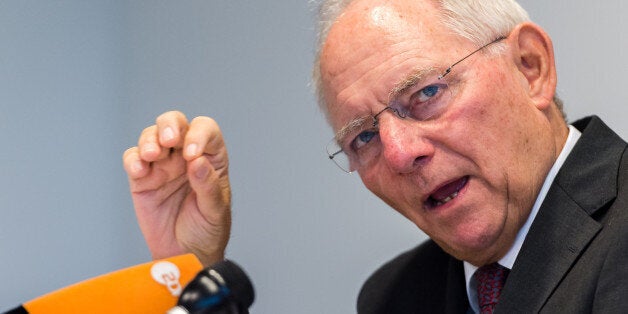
[[178, 177]]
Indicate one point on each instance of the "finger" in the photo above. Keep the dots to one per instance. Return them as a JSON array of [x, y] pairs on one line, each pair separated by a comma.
[[213, 191], [134, 166], [171, 127], [149, 147], [205, 137], [164, 176]]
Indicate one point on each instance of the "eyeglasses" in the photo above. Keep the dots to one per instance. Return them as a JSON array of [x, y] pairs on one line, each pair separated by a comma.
[[425, 95]]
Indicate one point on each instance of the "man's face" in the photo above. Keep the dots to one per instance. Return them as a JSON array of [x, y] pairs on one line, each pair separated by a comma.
[[468, 174]]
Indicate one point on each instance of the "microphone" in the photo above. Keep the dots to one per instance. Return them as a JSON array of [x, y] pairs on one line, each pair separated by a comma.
[[223, 288], [152, 287]]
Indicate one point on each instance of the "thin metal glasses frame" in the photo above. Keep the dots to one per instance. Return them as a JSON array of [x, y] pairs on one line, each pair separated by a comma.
[[400, 114]]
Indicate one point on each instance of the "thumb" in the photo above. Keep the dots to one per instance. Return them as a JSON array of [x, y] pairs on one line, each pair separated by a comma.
[[212, 188], [212, 195]]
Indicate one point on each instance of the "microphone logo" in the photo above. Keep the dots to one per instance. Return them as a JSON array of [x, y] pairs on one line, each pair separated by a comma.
[[167, 274]]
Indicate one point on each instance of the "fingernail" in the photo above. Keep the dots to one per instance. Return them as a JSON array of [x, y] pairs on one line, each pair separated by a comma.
[[149, 147], [167, 134], [201, 172], [191, 149], [137, 166]]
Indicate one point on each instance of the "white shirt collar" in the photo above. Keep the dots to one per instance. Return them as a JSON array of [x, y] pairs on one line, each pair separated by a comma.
[[509, 259]]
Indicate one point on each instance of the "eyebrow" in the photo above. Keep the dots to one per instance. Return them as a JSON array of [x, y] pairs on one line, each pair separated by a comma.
[[408, 82], [400, 88], [350, 127]]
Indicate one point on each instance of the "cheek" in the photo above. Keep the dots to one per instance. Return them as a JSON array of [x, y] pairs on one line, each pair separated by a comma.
[[482, 130], [375, 181], [389, 189], [488, 113], [475, 132]]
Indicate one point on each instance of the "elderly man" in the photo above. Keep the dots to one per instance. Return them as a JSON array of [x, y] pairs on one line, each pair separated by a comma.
[[447, 111]]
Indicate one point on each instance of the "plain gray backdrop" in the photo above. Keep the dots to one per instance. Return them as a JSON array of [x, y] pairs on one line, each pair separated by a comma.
[[80, 80]]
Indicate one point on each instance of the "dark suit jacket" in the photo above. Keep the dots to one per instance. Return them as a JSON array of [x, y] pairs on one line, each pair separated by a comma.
[[573, 260]]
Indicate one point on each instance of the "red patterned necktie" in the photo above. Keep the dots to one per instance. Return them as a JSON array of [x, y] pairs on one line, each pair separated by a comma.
[[490, 279]]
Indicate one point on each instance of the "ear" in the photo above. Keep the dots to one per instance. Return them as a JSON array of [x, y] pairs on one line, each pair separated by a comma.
[[534, 56]]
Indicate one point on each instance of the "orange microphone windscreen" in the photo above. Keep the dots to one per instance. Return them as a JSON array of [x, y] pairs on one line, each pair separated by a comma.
[[146, 288]]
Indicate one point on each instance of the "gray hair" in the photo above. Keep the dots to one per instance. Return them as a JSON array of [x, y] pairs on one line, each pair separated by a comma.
[[479, 21]]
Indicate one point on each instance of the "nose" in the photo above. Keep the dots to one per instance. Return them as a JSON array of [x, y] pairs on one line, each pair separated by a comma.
[[405, 147]]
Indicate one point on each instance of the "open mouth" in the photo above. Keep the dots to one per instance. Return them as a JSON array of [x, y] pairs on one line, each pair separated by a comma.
[[446, 193]]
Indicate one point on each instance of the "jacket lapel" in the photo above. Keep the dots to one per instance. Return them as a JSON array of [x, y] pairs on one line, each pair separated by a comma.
[[456, 291], [554, 242], [563, 227]]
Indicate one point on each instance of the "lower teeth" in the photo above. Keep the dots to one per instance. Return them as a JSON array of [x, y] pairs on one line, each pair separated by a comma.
[[446, 200]]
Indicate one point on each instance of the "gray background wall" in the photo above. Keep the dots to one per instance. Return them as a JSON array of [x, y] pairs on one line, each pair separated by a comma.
[[80, 79]]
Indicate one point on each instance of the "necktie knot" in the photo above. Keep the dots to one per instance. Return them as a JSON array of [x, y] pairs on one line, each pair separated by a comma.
[[490, 279]]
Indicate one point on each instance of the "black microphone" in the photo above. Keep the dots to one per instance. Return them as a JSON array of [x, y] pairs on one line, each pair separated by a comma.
[[222, 288]]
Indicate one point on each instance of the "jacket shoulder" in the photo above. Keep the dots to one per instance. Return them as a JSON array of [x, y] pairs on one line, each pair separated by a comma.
[[415, 281]]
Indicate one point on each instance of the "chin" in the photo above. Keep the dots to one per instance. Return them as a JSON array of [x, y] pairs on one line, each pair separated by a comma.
[[473, 246]]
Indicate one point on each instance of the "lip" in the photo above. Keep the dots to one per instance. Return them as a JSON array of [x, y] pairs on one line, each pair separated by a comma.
[[442, 195]]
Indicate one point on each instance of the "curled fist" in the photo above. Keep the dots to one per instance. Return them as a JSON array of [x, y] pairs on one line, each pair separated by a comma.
[[179, 182]]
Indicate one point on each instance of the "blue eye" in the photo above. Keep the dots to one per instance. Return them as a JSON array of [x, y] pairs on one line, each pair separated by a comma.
[[428, 92], [428, 102], [363, 138]]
